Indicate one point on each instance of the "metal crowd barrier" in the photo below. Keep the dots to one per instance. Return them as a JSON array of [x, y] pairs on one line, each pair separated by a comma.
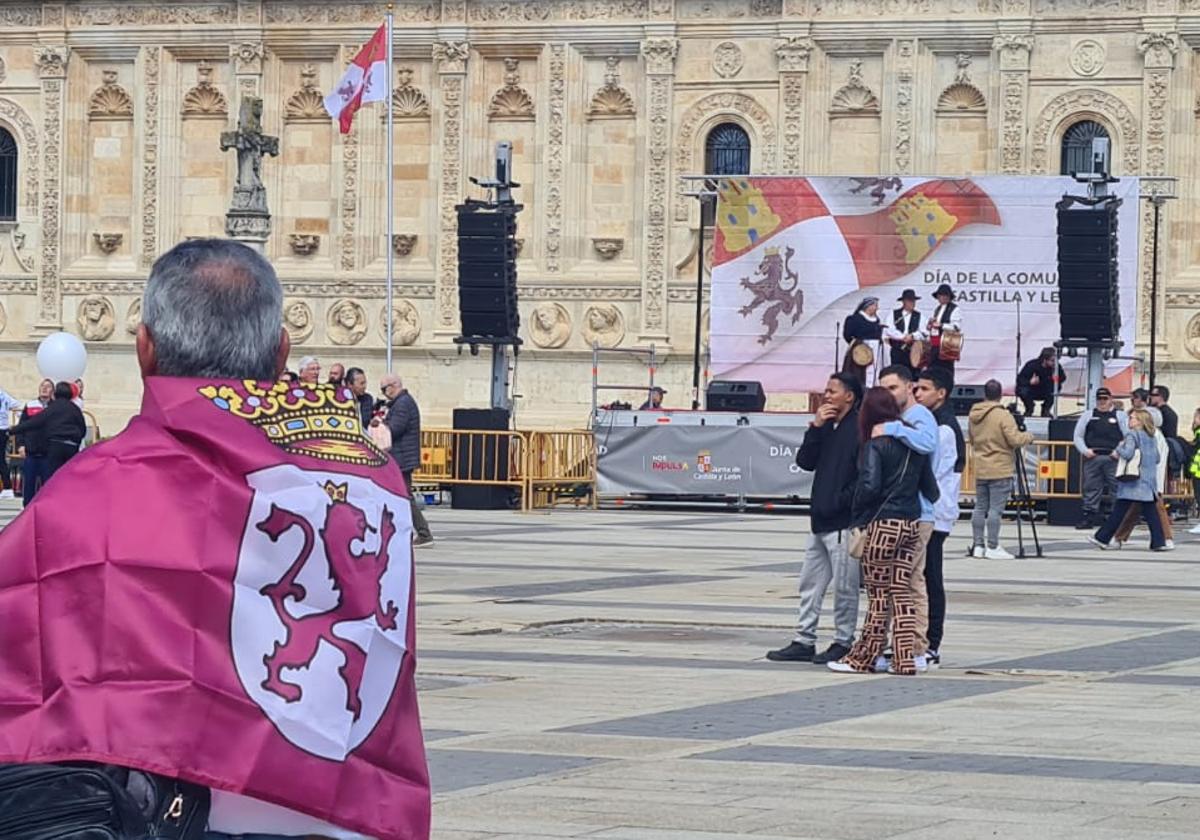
[[545, 468]]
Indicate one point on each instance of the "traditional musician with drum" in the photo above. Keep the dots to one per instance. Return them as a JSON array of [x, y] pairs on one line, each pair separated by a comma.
[[905, 336], [945, 331], [863, 330]]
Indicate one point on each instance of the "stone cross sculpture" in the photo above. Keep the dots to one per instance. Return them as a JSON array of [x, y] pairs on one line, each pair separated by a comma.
[[248, 218]]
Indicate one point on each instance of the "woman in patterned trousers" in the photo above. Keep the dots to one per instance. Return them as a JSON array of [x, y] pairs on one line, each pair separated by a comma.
[[886, 504]]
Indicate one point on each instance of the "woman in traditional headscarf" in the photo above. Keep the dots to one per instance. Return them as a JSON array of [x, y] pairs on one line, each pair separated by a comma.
[[863, 330]]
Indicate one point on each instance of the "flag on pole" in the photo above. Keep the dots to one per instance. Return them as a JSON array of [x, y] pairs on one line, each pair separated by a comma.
[[365, 80]]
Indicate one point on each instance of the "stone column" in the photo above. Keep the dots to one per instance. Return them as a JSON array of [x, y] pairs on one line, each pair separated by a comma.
[[905, 57], [1013, 51], [659, 55], [150, 63], [555, 156], [52, 69], [451, 59], [348, 203], [1158, 51], [792, 54]]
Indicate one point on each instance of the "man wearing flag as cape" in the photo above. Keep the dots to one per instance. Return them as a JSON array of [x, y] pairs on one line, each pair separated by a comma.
[[221, 596]]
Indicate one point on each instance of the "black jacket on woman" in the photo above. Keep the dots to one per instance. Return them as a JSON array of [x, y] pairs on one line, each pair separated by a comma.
[[887, 488], [59, 422], [861, 327]]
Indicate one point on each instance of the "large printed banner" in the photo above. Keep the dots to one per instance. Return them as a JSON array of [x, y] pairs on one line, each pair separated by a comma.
[[794, 256]]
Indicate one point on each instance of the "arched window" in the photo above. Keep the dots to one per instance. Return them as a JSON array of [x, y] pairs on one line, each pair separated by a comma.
[[726, 152], [1077, 147], [8, 177]]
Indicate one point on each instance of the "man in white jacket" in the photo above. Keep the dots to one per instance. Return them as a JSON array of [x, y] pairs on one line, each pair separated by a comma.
[[932, 391]]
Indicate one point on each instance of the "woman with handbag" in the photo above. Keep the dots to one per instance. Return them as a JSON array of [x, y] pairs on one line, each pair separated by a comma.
[[884, 518], [1137, 470]]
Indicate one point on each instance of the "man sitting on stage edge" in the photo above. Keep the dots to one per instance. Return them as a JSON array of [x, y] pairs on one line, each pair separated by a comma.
[[830, 451], [1039, 380]]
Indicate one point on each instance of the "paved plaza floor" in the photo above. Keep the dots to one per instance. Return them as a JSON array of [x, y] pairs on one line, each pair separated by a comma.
[[602, 675]]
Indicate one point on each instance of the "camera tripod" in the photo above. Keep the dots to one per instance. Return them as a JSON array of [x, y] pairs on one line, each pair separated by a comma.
[[1023, 498]]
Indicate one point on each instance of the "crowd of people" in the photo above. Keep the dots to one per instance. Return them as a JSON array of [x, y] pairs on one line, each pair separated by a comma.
[[887, 463]]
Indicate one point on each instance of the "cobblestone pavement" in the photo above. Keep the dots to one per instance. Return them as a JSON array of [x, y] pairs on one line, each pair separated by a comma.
[[601, 675]]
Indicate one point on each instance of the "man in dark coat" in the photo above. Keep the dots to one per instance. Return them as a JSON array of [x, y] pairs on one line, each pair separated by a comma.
[[61, 425], [356, 381], [404, 422]]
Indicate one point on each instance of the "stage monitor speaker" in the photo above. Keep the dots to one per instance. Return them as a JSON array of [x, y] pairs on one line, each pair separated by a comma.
[[1088, 298], [487, 273], [735, 396], [480, 458], [962, 397]]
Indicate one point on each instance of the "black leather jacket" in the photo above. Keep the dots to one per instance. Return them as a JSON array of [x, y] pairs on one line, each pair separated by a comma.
[[887, 489]]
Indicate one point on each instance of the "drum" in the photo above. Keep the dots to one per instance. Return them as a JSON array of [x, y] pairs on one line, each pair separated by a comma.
[[861, 353], [916, 353], [950, 347]]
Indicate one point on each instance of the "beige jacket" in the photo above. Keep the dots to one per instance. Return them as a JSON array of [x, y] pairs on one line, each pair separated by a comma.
[[993, 434]]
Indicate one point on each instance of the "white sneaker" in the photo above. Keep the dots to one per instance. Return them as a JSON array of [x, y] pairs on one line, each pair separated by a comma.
[[1107, 546], [998, 553], [840, 667], [977, 551], [1169, 545], [1194, 530], [881, 664], [921, 664], [6, 494]]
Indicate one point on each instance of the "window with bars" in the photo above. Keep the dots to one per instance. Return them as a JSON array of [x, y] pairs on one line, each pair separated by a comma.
[[1077, 147], [726, 152], [8, 176]]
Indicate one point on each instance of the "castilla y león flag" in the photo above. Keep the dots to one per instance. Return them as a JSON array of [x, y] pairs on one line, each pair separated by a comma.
[[223, 593], [365, 80]]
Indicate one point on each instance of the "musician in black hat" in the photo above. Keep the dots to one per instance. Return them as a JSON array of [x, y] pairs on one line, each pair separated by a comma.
[[863, 330], [904, 330], [946, 319]]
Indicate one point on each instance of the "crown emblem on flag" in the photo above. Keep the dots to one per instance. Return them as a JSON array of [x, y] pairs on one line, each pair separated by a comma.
[[743, 215], [921, 223], [336, 492], [318, 421]]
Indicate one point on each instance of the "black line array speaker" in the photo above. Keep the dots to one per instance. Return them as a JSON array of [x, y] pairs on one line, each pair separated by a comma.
[[482, 457], [962, 397], [487, 272], [735, 396], [1088, 293]]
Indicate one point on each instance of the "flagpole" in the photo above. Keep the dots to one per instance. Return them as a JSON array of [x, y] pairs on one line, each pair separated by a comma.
[[390, 191]]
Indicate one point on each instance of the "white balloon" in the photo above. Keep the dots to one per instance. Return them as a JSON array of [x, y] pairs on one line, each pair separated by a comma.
[[61, 357]]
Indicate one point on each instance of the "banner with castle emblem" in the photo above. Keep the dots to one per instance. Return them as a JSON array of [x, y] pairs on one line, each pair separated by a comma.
[[793, 257]]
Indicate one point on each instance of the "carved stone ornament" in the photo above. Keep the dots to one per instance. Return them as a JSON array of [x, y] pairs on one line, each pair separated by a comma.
[[451, 56], [608, 248], [728, 60], [403, 244], [1087, 59], [108, 243], [408, 103], [297, 320], [307, 105], [96, 318], [304, 244], [511, 102], [110, 101], [1192, 337], [133, 317], [406, 324], [855, 97], [204, 100], [549, 326], [52, 61], [962, 95], [603, 325], [612, 100], [347, 322], [518, 247], [1158, 49], [793, 54], [248, 58], [659, 54]]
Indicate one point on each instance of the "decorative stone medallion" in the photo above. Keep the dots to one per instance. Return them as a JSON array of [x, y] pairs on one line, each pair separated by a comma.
[[406, 323], [728, 59], [96, 318], [1087, 59], [133, 318], [603, 325], [297, 320], [1192, 340], [347, 322], [550, 326]]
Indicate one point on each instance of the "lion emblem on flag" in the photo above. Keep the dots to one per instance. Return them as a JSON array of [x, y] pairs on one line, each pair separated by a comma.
[[779, 286], [321, 603]]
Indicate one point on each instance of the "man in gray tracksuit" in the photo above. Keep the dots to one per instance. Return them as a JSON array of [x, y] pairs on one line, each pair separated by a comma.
[[1099, 431]]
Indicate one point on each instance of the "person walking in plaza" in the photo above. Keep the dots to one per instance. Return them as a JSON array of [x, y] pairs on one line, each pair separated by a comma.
[[1099, 431], [61, 425], [887, 504], [31, 446], [1130, 520], [830, 452], [1193, 468], [919, 431], [1136, 488], [1039, 381], [933, 391], [995, 440], [404, 422]]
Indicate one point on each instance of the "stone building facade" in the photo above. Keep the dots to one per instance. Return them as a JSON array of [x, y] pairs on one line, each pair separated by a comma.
[[114, 111]]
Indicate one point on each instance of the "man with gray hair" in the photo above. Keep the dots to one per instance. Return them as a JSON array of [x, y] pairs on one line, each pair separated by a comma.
[[404, 422], [193, 568], [310, 370]]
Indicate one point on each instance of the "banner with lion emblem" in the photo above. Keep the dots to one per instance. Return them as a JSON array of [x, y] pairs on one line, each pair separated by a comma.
[[793, 257]]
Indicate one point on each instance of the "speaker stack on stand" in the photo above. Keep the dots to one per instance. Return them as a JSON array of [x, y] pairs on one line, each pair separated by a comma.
[[1088, 294]]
